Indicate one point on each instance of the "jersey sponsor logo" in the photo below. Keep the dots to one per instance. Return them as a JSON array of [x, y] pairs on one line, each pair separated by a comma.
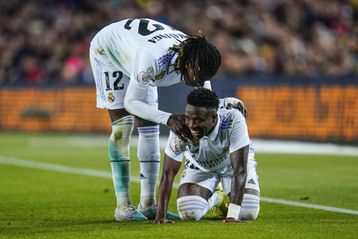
[[211, 163], [144, 77], [192, 166], [110, 97], [177, 145]]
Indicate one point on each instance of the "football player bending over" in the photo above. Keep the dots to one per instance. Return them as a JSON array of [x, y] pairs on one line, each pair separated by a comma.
[[129, 60]]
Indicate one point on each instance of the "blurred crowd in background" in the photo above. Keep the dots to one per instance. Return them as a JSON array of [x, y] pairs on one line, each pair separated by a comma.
[[46, 42]]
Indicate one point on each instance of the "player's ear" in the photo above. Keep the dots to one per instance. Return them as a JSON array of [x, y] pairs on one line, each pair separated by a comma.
[[214, 116]]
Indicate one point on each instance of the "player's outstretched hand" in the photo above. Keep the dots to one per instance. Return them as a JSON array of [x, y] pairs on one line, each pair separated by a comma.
[[233, 220], [176, 124], [162, 221]]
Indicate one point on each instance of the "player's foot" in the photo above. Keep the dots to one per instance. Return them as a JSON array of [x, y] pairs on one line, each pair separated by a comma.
[[128, 213], [151, 212], [220, 210]]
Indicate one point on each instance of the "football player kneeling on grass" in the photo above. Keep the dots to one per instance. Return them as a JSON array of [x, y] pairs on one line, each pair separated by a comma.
[[220, 151]]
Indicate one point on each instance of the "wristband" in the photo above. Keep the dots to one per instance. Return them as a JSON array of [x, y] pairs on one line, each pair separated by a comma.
[[233, 211]]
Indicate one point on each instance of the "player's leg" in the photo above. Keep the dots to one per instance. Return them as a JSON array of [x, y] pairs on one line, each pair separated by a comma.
[[149, 158], [118, 150], [196, 194], [111, 85], [148, 152], [220, 209]]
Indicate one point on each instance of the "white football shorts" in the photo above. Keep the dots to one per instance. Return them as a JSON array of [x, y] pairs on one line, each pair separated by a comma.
[[112, 83], [210, 180]]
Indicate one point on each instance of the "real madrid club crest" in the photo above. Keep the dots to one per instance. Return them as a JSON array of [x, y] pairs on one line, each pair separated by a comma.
[[110, 97], [100, 51]]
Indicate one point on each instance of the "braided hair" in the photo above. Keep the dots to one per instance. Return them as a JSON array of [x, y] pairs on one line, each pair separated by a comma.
[[202, 97], [199, 54]]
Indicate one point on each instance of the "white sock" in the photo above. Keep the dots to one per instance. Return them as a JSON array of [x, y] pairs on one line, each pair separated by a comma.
[[250, 207], [149, 157], [119, 158], [214, 200], [192, 207]]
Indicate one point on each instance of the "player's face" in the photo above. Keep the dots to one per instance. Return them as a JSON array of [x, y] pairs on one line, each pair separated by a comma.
[[200, 120]]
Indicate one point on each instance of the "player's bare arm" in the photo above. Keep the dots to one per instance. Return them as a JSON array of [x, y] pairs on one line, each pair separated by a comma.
[[170, 170], [238, 161]]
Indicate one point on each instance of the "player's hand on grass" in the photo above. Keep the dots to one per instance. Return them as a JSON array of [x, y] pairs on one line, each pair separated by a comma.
[[233, 220], [176, 124], [162, 221]]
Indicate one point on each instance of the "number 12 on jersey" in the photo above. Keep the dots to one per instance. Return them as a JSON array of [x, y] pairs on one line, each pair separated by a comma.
[[117, 77]]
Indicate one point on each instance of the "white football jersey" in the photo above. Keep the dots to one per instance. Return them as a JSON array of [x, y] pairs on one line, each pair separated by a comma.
[[230, 134], [140, 49]]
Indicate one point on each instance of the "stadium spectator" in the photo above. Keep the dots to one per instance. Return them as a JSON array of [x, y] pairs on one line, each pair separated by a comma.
[[220, 151], [309, 38]]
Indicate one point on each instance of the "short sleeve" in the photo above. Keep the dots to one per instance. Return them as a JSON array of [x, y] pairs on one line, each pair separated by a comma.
[[175, 147], [239, 136]]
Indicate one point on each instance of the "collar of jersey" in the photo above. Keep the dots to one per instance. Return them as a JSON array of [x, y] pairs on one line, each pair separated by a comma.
[[215, 132]]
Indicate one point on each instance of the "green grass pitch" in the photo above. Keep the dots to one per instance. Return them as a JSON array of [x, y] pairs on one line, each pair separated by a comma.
[[38, 203]]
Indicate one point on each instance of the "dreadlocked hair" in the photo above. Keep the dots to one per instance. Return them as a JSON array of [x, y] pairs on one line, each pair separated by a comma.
[[202, 97], [200, 54]]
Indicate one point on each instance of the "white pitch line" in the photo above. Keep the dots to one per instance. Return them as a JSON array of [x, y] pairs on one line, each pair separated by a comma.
[[62, 168], [261, 146], [309, 205], [103, 174], [53, 167]]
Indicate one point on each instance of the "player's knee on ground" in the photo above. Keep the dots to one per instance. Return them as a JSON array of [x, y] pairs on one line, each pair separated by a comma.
[[119, 139], [250, 207], [192, 207]]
